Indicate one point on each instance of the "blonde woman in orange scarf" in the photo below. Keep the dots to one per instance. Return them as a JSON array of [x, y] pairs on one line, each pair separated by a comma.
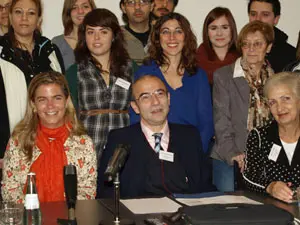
[[48, 138]]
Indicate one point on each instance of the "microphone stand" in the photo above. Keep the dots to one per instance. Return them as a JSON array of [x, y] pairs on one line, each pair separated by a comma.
[[117, 199], [117, 220]]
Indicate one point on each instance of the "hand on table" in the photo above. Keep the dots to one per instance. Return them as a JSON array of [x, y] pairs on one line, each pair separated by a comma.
[[281, 191]]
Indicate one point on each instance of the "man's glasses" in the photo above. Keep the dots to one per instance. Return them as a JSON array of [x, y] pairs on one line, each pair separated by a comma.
[[147, 97], [131, 3], [6, 7]]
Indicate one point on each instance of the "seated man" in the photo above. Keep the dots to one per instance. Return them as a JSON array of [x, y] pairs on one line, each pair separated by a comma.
[[174, 164]]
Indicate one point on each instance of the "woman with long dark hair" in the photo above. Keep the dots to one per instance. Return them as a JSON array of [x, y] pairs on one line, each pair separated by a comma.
[[100, 81], [173, 59]]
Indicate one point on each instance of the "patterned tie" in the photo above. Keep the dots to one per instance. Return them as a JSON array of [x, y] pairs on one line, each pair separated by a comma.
[[157, 146]]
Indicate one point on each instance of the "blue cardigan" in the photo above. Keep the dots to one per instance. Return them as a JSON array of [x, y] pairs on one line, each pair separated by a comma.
[[190, 104]]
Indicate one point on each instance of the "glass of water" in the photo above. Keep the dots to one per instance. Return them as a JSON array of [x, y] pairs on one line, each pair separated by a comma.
[[10, 214]]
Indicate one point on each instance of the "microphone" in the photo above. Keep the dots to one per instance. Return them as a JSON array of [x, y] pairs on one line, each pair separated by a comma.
[[117, 161], [70, 182]]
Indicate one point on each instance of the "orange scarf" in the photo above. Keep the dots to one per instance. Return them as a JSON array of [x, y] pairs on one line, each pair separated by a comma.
[[49, 165]]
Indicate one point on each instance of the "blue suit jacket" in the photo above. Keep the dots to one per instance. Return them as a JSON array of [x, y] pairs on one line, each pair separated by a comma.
[[184, 142]]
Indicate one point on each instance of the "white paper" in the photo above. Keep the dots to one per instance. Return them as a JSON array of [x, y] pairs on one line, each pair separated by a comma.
[[224, 199], [151, 205]]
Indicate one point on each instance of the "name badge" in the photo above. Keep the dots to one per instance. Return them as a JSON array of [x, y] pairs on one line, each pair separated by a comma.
[[123, 83], [274, 153], [167, 156]]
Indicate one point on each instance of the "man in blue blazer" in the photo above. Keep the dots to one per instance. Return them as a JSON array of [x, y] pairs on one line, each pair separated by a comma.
[[172, 163]]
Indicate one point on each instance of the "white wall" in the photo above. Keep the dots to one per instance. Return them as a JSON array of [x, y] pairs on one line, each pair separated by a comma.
[[194, 10]]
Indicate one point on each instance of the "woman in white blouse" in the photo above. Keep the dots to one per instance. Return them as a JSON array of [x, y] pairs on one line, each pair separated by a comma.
[[273, 151]]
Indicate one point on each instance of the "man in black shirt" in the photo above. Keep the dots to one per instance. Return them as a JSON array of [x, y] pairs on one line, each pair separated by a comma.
[[268, 11], [136, 13]]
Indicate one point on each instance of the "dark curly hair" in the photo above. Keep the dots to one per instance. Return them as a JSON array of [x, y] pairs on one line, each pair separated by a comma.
[[119, 57], [188, 58]]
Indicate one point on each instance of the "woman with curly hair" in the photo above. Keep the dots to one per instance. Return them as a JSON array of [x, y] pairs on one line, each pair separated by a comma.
[[173, 59], [100, 81]]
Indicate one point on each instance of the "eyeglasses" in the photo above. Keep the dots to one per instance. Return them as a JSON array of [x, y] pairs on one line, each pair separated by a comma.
[[147, 97], [132, 3], [6, 7], [255, 45]]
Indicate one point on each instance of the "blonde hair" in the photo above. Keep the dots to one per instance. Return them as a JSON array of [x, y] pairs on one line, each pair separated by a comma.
[[289, 79], [25, 130]]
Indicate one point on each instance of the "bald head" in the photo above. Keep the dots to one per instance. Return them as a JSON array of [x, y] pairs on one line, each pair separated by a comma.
[[142, 81]]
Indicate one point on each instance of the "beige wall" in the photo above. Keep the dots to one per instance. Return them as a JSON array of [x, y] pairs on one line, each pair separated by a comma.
[[194, 10]]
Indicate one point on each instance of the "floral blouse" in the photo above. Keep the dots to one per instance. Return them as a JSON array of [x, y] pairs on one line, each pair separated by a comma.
[[79, 151]]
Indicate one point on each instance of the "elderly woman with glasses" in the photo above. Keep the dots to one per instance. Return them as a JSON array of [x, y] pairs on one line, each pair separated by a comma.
[[237, 101], [273, 151]]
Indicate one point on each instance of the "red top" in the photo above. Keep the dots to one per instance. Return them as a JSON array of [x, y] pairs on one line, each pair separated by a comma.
[[209, 61]]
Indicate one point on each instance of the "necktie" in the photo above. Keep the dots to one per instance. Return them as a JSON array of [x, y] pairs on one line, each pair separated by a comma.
[[157, 146]]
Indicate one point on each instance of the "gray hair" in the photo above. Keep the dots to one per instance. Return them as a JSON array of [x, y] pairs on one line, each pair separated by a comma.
[[290, 79]]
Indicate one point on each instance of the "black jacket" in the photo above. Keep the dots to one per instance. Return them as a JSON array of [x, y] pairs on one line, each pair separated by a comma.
[[260, 171], [293, 67], [187, 174], [282, 53], [26, 65]]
